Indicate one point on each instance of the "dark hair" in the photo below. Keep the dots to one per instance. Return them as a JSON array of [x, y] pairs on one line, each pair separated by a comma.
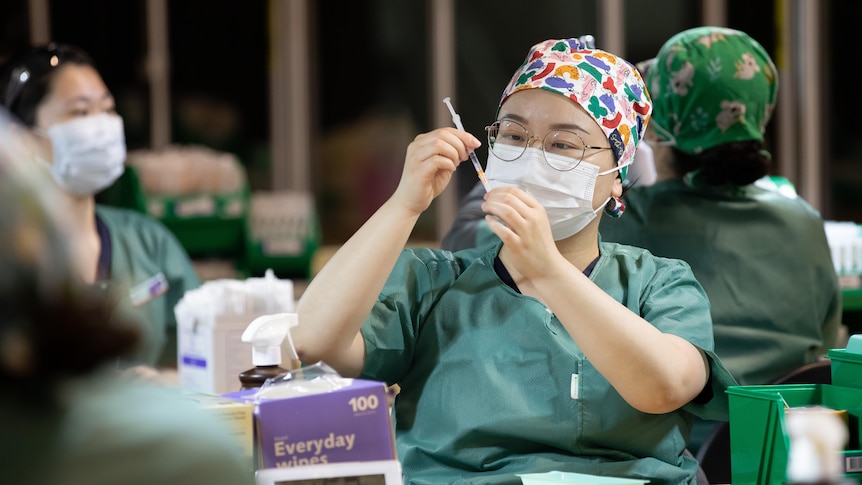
[[28, 78], [71, 332], [52, 324], [735, 163]]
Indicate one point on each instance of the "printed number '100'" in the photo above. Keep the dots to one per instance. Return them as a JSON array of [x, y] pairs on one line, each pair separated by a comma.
[[364, 403]]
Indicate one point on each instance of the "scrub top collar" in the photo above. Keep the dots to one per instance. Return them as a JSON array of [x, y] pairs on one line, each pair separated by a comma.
[[505, 277], [103, 271]]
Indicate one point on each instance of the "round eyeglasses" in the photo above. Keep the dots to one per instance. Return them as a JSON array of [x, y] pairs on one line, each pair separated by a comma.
[[563, 150]]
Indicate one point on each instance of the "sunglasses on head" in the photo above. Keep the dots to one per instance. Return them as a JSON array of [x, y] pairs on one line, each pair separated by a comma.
[[35, 64]]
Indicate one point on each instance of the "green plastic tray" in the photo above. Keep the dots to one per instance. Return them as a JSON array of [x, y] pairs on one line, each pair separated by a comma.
[[759, 444]]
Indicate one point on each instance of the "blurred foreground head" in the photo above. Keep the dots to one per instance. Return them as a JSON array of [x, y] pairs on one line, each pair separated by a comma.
[[52, 325]]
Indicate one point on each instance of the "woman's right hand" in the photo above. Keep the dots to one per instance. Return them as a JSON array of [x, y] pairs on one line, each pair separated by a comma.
[[430, 161]]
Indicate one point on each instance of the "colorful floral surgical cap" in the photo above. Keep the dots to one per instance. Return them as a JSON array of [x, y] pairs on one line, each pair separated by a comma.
[[710, 86], [606, 86]]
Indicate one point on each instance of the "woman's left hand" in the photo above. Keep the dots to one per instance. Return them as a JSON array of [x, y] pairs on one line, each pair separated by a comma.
[[522, 224]]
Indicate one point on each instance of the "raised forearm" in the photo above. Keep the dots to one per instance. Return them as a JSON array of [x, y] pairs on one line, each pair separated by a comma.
[[336, 303]]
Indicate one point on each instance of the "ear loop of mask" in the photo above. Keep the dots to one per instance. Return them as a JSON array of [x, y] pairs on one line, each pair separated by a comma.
[[669, 139], [618, 167], [614, 205]]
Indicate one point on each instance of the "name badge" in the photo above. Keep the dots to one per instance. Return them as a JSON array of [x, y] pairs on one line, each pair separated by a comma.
[[149, 290]]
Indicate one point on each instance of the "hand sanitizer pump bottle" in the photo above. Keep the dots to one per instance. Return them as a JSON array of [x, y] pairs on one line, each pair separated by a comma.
[[266, 334]]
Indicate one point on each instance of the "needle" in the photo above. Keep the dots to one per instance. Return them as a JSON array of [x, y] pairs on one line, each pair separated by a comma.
[[457, 120]]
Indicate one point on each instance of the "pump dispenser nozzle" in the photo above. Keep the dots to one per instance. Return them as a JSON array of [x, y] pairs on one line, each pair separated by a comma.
[[266, 334]]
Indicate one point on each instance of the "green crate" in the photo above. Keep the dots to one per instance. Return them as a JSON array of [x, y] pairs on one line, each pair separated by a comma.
[[759, 444], [846, 368], [852, 463], [283, 233], [205, 224]]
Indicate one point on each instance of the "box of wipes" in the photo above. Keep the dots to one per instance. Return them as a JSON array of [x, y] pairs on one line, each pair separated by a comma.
[[302, 419], [237, 415]]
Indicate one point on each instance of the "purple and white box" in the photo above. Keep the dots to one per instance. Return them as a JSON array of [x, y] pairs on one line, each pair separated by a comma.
[[351, 423]]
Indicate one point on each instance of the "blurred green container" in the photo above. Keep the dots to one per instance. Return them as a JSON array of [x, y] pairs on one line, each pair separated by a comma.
[[283, 233], [205, 224], [846, 368], [759, 443]]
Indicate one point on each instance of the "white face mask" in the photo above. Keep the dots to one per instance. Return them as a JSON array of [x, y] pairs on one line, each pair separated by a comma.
[[89, 153], [566, 196]]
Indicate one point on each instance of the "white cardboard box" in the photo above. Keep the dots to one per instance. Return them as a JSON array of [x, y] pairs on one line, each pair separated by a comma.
[[210, 323], [211, 354]]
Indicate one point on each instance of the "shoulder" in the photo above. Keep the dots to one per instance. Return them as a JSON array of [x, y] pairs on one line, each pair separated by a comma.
[[664, 291], [456, 260], [642, 270], [127, 224], [663, 187], [640, 204], [435, 270], [784, 204], [113, 420], [641, 259], [116, 216]]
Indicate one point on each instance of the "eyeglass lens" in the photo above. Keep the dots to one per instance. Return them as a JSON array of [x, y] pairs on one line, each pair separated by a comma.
[[563, 150]]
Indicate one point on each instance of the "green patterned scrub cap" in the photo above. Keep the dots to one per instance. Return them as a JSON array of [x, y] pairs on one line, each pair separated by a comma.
[[710, 86], [608, 87]]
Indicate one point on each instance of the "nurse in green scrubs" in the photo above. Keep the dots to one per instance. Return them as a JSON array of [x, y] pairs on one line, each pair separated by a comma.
[[57, 92], [759, 250], [546, 349]]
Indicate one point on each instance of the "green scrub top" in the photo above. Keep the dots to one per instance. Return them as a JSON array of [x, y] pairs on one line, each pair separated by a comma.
[[762, 258], [142, 249], [107, 432], [493, 385]]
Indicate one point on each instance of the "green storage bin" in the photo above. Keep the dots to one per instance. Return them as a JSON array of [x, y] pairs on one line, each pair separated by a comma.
[[846, 368], [759, 444], [283, 233], [205, 224]]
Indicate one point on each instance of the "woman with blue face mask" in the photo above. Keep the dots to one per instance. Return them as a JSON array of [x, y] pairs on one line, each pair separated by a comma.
[[545, 349], [57, 92]]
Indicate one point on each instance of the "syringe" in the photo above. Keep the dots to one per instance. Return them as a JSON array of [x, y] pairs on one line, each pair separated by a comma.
[[457, 120]]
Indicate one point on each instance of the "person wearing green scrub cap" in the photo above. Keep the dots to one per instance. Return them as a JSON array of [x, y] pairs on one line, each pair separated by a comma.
[[760, 252], [712, 86]]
